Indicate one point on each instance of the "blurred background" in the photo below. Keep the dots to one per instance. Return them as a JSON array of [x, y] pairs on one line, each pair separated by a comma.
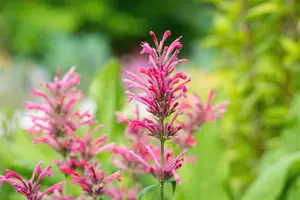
[[247, 50]]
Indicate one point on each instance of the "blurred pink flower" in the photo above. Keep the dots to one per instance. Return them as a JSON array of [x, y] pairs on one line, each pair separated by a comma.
[[137, 140], [136, 135], [31, 188], [132, 63], [123, 193], [198, 112], [185, 140], [124, 160], [84, 148], [60, 119], [57, 195], [87, 147]]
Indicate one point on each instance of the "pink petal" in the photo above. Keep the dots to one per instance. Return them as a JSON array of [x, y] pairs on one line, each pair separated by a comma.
[[176, 176], [115, 175]]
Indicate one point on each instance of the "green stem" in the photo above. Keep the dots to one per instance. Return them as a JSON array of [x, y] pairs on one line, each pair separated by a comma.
[[162, 162], [65, 187]]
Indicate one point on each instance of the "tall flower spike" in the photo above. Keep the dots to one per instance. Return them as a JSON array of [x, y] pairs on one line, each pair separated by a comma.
[[162, 173], [162, 90], [31, 188], [59, 120]]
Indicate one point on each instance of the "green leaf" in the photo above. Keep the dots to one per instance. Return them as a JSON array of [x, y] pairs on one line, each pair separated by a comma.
[[293, 192], [145, 190], [263, 9], [289, 45], [273, 179], [173, 182], [207, 177], [107, 90]]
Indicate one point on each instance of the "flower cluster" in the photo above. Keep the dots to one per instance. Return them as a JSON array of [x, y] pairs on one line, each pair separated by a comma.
[[57, 128], [161, 92], [31, 189], [57, 119]]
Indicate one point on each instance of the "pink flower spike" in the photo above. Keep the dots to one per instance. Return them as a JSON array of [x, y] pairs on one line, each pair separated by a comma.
[[60, 119], [161, 91]]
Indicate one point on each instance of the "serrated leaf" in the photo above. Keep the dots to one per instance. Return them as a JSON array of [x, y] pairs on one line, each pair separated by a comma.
[[173, 182], [145, 190]]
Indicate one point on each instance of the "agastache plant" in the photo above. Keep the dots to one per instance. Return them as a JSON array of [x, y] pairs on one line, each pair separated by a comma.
[[160, 89], [56, 125], [160, 93]]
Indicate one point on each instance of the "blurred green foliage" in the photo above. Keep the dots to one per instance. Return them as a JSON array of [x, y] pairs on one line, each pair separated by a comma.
[[107, 91], [86, 33], [257, 43]]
